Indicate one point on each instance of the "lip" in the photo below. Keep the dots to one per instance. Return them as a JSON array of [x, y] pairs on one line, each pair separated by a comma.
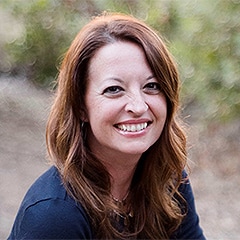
[[134, 121]]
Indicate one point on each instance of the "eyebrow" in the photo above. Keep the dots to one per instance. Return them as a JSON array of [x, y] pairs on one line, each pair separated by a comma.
[[115, 79], [121, 81], [150, 77]]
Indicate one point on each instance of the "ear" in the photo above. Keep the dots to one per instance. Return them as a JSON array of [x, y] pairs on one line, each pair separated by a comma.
[[84, 115]]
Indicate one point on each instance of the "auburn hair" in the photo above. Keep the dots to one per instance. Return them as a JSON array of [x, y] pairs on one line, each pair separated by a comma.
[[154, 198]]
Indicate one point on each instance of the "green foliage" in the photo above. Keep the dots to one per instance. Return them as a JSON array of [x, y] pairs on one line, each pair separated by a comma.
[[49, 26], [207, 44], [204, 37]]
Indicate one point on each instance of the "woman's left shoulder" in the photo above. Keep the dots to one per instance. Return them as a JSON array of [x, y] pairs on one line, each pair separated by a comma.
[[190, 227], [185, 187]]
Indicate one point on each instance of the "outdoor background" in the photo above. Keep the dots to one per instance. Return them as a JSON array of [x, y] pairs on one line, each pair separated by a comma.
[[203, 36]]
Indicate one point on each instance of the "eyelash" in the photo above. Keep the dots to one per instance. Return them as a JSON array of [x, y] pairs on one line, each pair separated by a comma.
[[113, 90], [151, 87]]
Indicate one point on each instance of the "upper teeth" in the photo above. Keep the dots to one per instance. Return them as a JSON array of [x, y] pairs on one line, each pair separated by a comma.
[[132, 127]]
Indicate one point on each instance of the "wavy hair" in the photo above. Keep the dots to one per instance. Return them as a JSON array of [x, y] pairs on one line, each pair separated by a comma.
[[154, 197]]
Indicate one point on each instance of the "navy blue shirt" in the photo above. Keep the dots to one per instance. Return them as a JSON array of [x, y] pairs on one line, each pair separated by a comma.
[[48, 212]]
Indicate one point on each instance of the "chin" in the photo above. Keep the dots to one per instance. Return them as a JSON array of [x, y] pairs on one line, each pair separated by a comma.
[[139, 151]]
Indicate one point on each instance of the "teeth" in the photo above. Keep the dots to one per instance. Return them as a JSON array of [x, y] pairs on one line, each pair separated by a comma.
[[132, 127]]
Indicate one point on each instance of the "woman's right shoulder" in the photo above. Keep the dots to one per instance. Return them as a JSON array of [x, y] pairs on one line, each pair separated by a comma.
[[48, 212], [48, 186]]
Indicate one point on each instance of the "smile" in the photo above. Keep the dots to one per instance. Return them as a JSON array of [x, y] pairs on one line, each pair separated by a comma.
[[132, 127]]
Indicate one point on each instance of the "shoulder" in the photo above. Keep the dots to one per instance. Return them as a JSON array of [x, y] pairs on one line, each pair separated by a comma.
[[51, 219], [48, 185], [47, 212], [190, 227], [185, 187]]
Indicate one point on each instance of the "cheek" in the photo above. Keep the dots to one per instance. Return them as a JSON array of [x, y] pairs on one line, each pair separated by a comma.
[[164, 112], [160, 108], [101, 112], [93, 106]]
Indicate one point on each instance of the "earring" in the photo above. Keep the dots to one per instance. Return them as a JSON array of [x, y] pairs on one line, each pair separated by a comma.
[[83, 130], [82, 124]]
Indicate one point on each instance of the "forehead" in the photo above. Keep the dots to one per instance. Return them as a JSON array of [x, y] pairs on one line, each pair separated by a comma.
[[117, 55]]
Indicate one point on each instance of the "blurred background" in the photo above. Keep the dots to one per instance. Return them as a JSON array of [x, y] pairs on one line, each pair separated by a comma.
[[203, 36]]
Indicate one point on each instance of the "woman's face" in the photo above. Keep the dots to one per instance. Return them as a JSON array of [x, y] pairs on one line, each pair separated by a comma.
[[126, 109]]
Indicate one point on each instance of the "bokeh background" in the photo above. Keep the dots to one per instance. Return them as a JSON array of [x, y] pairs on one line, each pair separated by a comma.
[[203, 36]]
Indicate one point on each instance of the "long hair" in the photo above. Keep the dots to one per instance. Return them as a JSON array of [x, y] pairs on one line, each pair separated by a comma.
[[154, 197]]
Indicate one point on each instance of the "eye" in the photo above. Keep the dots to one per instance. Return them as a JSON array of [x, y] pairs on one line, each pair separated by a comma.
[[112, 90], [152, 87]]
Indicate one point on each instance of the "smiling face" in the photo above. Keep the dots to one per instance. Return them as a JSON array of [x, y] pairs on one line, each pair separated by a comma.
[[126, 109]]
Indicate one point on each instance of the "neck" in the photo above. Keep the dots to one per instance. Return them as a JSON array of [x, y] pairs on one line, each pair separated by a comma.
[[121, 168], [121, 180]]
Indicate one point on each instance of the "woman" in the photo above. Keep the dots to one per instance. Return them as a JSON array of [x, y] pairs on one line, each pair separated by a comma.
[[118, 150]]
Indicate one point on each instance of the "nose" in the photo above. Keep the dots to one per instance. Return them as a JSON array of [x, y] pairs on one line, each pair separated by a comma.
[[136, 104]]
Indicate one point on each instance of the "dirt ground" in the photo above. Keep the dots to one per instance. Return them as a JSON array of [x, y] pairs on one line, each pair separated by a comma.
[[214, 160]]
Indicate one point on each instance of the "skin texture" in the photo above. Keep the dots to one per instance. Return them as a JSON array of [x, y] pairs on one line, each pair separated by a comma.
[[126, 109]]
